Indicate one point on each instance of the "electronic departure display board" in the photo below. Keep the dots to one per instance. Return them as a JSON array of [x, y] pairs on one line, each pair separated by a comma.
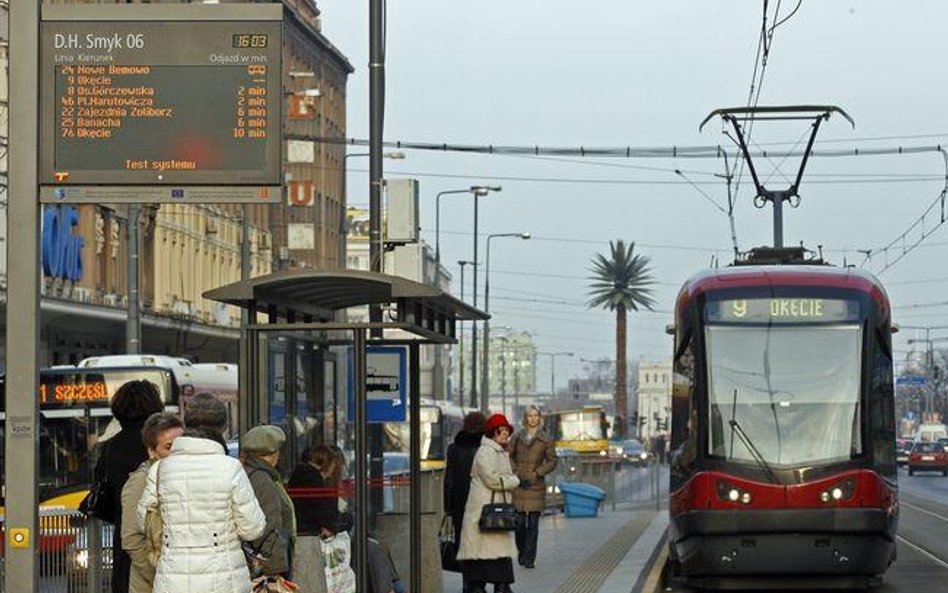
[[166, 97]]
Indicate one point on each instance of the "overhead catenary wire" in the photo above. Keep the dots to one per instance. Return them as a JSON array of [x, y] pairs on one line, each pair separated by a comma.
[[672, 151], [918, 225]]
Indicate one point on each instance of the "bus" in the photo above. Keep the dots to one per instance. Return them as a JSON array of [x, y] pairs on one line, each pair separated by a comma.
[[440, 421], [582, 431], [75, 415], [216, 378]]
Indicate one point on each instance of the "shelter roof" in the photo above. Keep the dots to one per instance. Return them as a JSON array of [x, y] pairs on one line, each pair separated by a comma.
[[318, 294]]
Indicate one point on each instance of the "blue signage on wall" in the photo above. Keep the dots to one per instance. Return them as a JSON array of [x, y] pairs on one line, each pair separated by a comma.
[[386, 384], [62, 250]]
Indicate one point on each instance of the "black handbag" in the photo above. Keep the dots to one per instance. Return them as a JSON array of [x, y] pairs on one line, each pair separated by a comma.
[[99, 502], [449, 548], [499, 516]]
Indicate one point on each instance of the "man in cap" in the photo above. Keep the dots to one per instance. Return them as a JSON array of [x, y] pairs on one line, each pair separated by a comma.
[[260, 452]]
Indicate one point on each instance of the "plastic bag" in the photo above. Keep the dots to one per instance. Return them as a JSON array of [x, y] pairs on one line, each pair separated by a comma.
[[340, 578], [278, 584]]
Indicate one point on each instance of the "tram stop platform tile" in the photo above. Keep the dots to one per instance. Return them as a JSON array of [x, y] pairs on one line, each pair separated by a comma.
[[604, 554]]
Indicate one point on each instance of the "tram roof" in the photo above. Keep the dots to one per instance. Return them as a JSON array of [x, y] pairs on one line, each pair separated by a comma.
[[780, 275], [320, 293]]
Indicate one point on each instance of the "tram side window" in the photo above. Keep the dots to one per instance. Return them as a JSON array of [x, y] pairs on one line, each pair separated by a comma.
[[684, 438], [882, 410]]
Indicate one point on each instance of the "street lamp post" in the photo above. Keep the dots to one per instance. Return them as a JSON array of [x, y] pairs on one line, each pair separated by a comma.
[[485, 379], [553, 356], [438, 218], [462, 263], [478, 191]]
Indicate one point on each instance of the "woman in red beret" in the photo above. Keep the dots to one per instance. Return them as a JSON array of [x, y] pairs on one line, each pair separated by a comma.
[[487, 557]]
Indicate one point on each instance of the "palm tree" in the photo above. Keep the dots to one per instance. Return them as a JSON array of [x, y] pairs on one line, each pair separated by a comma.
[[621, 282]]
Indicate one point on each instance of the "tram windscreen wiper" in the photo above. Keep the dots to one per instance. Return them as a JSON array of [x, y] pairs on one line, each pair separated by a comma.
[[736, 429]]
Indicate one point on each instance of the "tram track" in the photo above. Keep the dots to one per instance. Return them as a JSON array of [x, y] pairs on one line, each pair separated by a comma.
[[923, 551], [922, 523]]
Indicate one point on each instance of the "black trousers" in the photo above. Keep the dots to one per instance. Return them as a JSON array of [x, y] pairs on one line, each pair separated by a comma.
[[456, 521], [526, 535]]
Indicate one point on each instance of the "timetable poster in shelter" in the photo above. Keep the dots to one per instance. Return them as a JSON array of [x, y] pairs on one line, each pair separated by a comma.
[[386, 384]]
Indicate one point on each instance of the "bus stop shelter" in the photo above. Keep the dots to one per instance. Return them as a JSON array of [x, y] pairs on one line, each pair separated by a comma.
[[312, 303]]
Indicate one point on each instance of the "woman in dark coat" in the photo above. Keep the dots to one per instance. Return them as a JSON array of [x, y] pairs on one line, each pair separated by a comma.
[[131, 405], [315, 492], [457, 472], [533, 456]]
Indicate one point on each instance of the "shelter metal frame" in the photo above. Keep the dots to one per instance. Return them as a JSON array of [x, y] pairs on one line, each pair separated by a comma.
[[312, 301]]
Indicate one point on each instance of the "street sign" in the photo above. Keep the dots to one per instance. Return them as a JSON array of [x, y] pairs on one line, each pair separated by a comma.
[[386, 384], [161, 97], [911, 381]]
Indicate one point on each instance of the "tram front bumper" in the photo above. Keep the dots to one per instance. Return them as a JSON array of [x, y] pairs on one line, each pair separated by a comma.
[[784, 542]]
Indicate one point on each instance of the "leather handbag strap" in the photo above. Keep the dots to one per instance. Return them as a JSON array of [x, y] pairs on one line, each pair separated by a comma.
[[503, 493]]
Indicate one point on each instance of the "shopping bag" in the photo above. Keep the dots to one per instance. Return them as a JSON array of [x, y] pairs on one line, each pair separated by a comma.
[[449, 547], [277, 584], [340, 578]]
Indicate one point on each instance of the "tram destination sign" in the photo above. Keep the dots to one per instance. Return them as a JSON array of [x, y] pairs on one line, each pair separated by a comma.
[[169, 97], [782, 310]]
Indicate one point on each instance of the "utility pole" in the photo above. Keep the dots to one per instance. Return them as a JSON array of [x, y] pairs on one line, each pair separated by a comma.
[[376, 110]]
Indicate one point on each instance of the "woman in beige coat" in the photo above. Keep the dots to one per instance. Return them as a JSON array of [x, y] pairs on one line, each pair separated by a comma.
[[487, 557], [533, 457]]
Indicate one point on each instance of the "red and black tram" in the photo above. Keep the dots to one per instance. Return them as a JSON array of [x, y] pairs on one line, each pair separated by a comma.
[[783, 425]]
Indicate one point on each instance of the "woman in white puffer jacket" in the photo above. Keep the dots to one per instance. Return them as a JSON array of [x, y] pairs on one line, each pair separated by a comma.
[[207, 507]]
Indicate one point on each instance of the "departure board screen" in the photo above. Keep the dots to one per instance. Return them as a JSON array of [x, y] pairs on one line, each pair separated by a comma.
[[161, 103]]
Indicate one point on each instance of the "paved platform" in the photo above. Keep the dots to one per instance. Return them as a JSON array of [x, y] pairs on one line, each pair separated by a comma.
[[604, 554]]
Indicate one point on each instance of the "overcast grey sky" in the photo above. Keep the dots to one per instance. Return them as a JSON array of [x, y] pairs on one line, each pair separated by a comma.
[[635, 73]]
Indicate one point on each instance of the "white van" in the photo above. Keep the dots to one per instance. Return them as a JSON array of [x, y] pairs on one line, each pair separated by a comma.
[[930, 433]]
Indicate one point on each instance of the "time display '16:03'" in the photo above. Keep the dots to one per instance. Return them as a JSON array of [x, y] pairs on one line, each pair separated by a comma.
[[250, 40]]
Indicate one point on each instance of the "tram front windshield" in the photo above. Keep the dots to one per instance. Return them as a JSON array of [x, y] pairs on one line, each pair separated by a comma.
[[791, 392]]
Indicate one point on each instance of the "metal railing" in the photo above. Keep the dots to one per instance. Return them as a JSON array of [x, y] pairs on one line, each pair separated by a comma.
[[75, 554], [624, 483]]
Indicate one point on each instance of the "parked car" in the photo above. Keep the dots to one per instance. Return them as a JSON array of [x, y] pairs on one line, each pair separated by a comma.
[[633, 452], [930, 457]]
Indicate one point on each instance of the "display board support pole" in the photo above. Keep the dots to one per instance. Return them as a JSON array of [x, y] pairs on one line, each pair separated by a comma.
[[21, 439]]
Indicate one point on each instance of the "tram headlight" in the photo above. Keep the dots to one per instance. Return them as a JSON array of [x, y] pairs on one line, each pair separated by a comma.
[[841, 491], [730, 493]]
